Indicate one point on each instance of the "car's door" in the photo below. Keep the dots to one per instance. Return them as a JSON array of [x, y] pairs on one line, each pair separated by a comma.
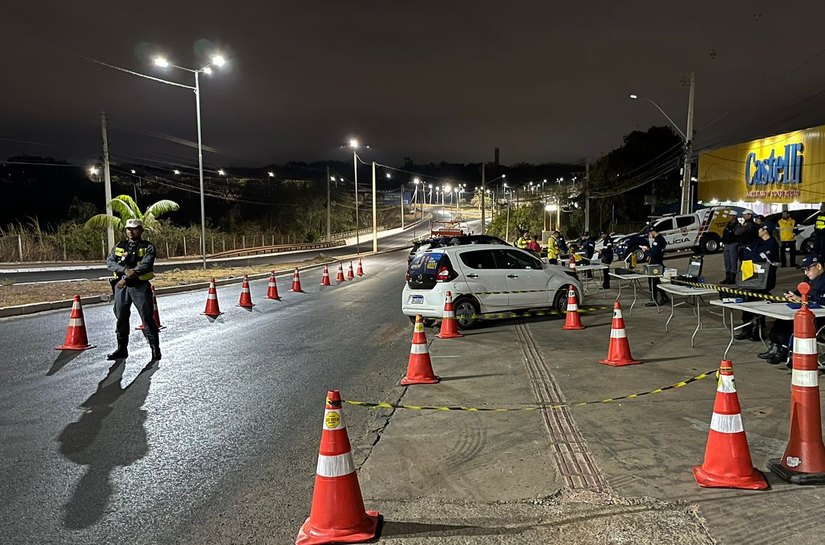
[[486, 281], [526, 278], [684, 233]]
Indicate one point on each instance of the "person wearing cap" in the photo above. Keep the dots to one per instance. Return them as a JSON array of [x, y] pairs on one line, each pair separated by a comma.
[[132, 264], [731, 251], [781, 330], [606, 257], [656, 256], [819, 233], [747, 233], [766, 252], [588, 245], [786, 238]]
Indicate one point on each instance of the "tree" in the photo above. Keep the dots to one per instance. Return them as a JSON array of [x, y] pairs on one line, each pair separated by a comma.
[[125, 208]]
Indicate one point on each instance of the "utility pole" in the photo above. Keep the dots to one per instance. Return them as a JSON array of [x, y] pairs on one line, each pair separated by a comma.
[[687, 201], [483, 191], [402, 207], [586, 195], [107, 181], [329, 219], [374, 213]]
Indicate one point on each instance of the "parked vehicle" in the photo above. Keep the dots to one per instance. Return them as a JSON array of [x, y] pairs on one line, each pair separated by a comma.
[[701, 230], [459, 240], [483, 278]]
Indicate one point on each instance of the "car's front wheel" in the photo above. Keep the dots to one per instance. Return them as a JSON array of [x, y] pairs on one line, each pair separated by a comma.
[[560, 301], [466, 312]]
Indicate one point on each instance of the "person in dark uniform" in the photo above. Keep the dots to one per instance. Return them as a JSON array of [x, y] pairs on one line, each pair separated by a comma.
[[781, 330], [764, 251], [819, 233], [656, 256], [731, 251], [606, 257], [132, 262], [588, 246], [747, 234]]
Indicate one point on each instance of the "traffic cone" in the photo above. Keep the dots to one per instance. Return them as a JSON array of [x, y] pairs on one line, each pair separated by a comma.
[[419, 368], [360, 271], [449, 326], [350, 276], [337, 514], [340, 276], [296, 282], [572, 320], [213, 310], [76, 338], [618, 352], [272, 288], [155, 313], [804, 459], [727, 457], [246, 298], [325, 277]]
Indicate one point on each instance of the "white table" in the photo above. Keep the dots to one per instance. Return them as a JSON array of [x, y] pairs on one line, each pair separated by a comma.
[[586, 281], [633, 280], [778, 311], [687, 292]]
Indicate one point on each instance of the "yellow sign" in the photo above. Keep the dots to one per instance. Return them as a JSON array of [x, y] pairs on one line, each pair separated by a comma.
[[747, 269], [333, 420], [780, 169]]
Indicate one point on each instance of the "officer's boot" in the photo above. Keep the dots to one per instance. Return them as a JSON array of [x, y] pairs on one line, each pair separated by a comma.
[[121, 353], [770, 352], [155, 351]]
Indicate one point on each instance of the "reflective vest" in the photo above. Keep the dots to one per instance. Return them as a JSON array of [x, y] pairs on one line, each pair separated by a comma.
[[122, 256], [820, 222], [552, 248], [786, 229], [521, 242]]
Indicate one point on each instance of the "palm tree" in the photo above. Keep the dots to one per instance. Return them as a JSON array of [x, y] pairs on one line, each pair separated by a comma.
[[125, 208]]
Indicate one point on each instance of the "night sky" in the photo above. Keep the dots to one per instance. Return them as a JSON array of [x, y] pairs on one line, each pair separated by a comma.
[[433, 81]]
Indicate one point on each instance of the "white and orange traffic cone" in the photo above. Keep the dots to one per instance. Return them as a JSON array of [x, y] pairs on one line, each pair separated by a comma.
[[804, 459], [76, 338], [419, 367], [360, 271], [350, 275], [213, 309], [727, 456], [572, 319], [340, 276], [246, 298], [272, 288], [325, 277], [338, 514], [449, 325], [618, 352], [155, 313], [296, 282]]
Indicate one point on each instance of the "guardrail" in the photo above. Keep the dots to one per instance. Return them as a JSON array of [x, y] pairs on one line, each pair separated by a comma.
[[240, 252]]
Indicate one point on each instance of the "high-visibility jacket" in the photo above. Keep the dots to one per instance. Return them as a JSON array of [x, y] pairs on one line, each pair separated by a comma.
[[552, 248], [138, 255], [521, 242], [820, 222], [786, 229]]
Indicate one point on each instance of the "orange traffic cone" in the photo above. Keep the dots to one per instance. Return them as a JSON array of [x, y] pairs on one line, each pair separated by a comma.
[[296, 282], [804, 459], [246, 297], [325, 277], [572, 319], [76, 338], [213, 310], [727, 457], [449, 326], [338, 514], [155, 313], [618, 352], [340, 276], [272, 288], [350, 276], [360, 271], [419, 368]]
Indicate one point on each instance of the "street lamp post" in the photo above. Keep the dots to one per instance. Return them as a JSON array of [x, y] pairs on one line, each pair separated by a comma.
[[217, 61], [353, 143]]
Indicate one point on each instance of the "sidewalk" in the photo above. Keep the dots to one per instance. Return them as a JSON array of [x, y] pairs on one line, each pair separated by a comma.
[[603, 473]]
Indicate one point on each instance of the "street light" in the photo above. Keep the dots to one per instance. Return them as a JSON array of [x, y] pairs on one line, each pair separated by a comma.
[[685, 205], [353, 144], [216, 61]]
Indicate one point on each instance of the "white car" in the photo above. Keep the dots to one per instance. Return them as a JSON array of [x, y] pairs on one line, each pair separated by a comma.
[[484, 278]]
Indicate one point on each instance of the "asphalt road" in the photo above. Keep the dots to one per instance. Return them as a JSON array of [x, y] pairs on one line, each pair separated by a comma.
[[228, 421]]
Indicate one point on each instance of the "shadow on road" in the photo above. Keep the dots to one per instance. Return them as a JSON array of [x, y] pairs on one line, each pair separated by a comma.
[[110, 433], [64, 357]]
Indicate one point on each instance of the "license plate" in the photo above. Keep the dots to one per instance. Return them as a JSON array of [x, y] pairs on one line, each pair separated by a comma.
[[417, 300]]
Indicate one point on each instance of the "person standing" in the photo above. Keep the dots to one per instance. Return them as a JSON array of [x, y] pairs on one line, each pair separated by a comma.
[[553, 248], [746, 234], [819, 233], [521, 241], [766, 252], [786, 238], [533, 244], [731, 252], [132, 264], [656, 256], [606, 257]]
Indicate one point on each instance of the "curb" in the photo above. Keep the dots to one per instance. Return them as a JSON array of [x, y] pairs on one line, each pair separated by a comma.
[[33, 308]]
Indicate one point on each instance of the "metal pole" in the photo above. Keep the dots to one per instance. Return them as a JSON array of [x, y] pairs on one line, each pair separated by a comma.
[[200, 170], [483, 192], [374, 213], [357, 226], [587, 196], [329, 219], [507, 228], [686, 206], [107, 181], [402, 207]]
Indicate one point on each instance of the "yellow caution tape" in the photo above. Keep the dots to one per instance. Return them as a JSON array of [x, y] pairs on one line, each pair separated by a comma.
[[531, 313], [536, 407], [734, 291]]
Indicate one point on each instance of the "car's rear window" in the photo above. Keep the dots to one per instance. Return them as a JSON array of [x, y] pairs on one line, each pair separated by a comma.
[[426, 264]]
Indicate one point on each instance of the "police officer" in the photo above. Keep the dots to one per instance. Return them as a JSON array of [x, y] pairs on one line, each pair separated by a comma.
[[521, 241], [786, 238], [819, 233], [606, 257], [656, 256], [731, 251], [132, 262], [747, 234], [765, 251], [553, 248]]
